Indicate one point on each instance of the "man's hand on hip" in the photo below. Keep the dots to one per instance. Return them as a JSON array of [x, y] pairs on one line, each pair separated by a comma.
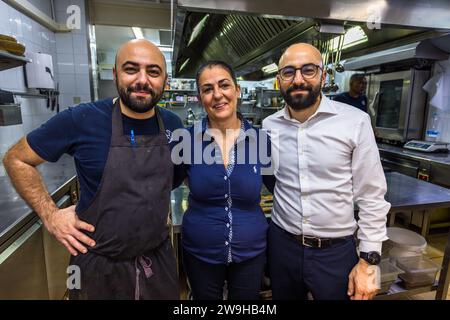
[[363, 282], [65, 225]]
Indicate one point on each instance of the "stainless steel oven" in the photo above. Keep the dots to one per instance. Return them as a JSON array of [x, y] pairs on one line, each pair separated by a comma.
[[397, 104]]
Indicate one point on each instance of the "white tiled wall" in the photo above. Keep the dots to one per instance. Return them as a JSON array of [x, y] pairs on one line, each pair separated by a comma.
[[70, 62], [72, 54]]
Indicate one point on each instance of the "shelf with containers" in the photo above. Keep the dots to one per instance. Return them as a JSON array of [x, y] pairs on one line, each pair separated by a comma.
[[405, 194], [179, 98], [405, 269], [268, 101], [9, 60], [10, 113], [183, 102]]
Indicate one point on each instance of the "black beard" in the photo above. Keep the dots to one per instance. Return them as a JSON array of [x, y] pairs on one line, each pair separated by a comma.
[[301, 101], [139, 105]]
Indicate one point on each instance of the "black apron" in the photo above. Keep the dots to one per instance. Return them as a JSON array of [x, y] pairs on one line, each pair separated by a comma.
[[133, 257]]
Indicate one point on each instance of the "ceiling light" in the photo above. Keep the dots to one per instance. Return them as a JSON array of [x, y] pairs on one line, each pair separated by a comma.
[[197, 29], [184, 64], [352, 37], [165, 49], [270, 68], [138, 33]]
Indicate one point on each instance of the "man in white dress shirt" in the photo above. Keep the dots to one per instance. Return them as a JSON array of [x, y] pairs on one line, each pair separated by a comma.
[[327, 160]]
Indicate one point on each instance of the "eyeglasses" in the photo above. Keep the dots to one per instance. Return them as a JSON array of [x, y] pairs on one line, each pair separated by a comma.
[[308, 71]]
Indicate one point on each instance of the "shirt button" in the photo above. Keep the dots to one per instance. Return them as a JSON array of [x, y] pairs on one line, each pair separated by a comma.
[[226, 208], [226, 243], [225, 178], [228, 225], [226, 196]]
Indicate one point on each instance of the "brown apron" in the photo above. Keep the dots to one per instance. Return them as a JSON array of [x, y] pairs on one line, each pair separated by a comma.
[[133, 257]]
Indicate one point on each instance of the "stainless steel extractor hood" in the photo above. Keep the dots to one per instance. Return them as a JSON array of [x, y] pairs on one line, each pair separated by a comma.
[[418, 50], [250, 34]]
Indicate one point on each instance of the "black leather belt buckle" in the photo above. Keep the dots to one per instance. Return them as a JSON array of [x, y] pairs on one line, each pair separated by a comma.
[[312, 242]]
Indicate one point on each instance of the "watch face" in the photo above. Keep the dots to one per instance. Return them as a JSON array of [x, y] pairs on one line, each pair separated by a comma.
[[374, 258]]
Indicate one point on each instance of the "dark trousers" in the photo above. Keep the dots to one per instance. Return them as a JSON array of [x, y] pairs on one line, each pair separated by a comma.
[[296, 270], [207, 280]]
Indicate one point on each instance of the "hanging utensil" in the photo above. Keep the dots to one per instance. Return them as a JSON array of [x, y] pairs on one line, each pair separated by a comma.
[[339, 67]]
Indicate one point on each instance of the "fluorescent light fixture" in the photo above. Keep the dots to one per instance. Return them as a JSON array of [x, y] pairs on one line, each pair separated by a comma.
[[184, 64], [198, 28], [138, 33], [352, 37], [165, 49], [270, 68]]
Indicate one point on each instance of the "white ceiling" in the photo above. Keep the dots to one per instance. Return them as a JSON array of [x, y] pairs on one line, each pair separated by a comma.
[[110, 38]]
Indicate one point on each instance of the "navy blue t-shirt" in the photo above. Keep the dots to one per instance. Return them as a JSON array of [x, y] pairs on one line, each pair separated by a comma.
[[84, 132], [360, 102]]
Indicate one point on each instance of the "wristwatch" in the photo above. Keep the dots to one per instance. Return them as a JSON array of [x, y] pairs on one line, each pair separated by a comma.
[[371, 257]]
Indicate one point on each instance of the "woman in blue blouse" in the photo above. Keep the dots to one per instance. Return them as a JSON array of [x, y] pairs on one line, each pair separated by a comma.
[[224, 229]]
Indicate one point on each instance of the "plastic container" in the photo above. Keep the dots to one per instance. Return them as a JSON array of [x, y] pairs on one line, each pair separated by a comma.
[[434, 131], [419, 271], [405, 243], [389, 274]]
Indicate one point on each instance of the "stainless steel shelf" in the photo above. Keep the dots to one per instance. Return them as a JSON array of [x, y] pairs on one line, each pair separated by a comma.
[[397, 291], [8, 60]]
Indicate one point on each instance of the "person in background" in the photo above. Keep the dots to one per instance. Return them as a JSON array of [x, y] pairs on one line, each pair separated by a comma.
[[356, 95], [224, 229], [117, 233], [326, 160]]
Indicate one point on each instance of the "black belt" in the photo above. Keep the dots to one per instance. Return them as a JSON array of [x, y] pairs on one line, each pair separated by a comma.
[[315, 242]]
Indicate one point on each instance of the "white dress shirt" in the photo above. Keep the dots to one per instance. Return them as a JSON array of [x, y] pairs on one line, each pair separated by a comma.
[[322, 167]]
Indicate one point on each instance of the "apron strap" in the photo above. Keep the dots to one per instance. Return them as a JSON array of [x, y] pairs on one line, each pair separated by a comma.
[[162, 129], [117, 130], [145, 263]]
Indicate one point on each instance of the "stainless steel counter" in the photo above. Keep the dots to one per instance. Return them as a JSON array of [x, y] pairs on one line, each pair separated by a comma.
[[404, 193], [440, 158], [14, 212], [407, 193]]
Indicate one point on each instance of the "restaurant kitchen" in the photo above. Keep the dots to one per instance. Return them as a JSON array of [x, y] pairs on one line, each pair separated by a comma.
[[57, 54]]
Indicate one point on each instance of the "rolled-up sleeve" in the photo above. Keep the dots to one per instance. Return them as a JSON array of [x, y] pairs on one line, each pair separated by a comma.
[[369, 189]]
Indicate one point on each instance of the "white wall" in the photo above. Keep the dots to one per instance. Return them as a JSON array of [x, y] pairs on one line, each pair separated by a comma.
[[70, 62], [72, 56]]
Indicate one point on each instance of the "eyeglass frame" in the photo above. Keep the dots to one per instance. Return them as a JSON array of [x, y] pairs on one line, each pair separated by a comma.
[[300, 69]]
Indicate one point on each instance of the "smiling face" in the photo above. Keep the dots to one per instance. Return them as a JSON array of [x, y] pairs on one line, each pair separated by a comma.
[[140, 75], [302, 90], [218, 93]]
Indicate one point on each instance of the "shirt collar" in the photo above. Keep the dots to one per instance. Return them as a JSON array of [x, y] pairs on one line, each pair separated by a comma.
[[201, 128], [325, 106]]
